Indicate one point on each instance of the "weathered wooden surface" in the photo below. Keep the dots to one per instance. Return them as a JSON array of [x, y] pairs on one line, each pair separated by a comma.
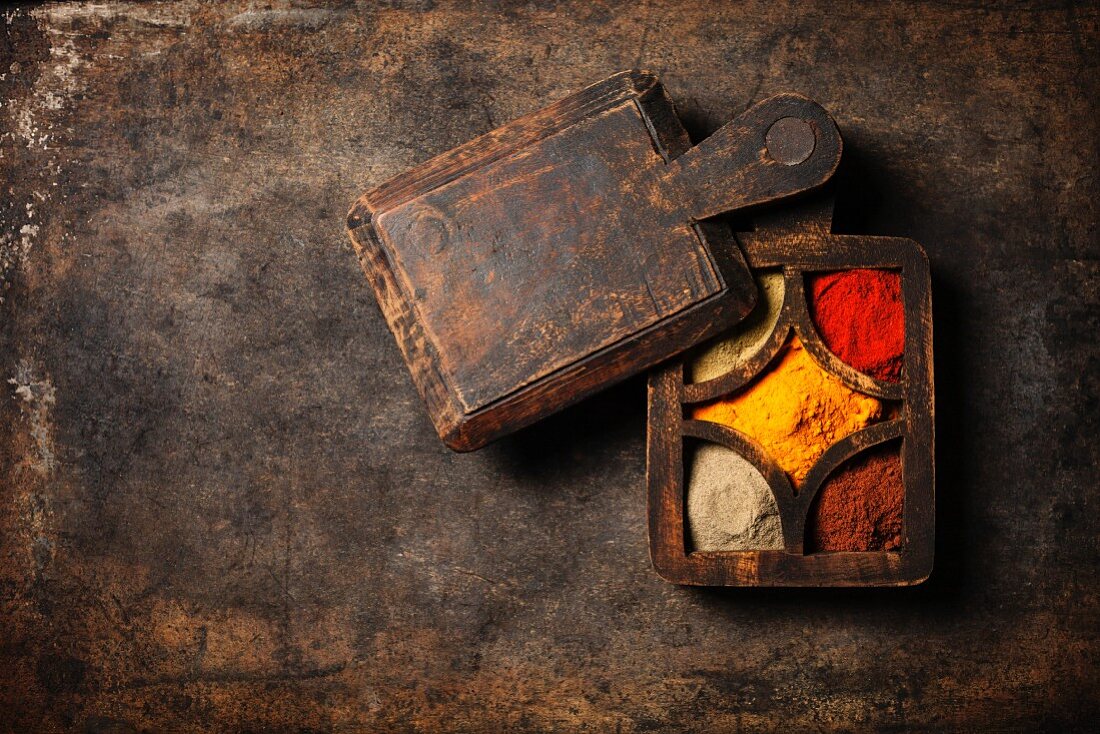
[[559, 254], [223, 506]]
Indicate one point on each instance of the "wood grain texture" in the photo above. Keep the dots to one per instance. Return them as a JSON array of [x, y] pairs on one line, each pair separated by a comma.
[[798, 240], [222, 505], [567, 250]]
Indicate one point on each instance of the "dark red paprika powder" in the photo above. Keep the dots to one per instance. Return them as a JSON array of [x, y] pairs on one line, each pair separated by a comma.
[[859, 507]]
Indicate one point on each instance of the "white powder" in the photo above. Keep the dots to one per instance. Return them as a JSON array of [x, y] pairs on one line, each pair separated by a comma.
[[729, 504], [732, 349]]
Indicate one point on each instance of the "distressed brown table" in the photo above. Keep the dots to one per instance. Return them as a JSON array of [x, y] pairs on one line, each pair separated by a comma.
[[224, 507]]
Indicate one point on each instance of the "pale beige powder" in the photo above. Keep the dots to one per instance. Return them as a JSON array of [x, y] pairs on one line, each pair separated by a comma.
[[729, 504], [731, 350]]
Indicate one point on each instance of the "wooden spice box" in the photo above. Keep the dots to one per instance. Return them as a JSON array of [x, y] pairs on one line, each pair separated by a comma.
[[574, 247], [797, 245]]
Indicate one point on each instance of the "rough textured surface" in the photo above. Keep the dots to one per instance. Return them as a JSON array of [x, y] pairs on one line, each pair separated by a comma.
[[720, 355], [729, 503], [859, 316], [859, 507], [795, 410], [224, 508]]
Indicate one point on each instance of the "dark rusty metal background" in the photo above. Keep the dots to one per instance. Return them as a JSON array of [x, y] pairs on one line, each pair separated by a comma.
[[223, 506]]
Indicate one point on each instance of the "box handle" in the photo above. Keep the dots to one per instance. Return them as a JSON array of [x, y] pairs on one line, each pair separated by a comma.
[[781, 146]]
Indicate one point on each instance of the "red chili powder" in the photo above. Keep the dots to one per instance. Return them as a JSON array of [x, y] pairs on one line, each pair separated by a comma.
[[859, 315], [859, 506]]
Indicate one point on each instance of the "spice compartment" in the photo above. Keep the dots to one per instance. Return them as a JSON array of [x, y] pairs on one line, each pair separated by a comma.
[[893, 446]]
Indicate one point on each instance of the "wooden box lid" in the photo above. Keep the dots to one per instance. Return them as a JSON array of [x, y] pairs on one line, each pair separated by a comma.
[[573, 247]]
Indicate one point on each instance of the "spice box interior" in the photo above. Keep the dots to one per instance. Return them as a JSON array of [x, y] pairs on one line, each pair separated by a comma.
[[796, 449]]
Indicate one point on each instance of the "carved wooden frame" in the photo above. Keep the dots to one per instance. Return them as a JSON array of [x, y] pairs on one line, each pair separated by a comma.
[[805, 248]]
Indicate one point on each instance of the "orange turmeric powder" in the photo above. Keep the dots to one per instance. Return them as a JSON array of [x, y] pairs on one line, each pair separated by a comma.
[[795, 410]]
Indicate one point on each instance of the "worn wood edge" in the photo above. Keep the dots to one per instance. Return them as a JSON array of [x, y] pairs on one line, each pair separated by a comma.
[[729, 263], [666, 130], [501, 142], [777, 569], [664, 463], [919, 456], [811, 252], [416, 348], [810, 214]]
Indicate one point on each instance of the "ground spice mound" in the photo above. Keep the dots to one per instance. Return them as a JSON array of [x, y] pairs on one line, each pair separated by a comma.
[[859, 508], [730, 506], [734, 348], [860, 317], [795, 410]]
